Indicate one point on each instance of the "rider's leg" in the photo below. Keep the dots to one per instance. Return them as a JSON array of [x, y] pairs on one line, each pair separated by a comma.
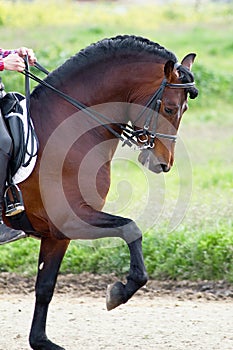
[[7, 234]]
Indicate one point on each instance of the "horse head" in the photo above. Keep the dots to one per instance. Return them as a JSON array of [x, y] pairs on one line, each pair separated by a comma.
[[165, 110]]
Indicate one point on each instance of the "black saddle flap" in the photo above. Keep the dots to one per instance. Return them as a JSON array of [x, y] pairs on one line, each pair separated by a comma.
[[16, 130], [10, 103]]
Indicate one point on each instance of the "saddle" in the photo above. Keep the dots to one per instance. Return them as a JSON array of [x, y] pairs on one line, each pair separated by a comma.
[[12, 113]]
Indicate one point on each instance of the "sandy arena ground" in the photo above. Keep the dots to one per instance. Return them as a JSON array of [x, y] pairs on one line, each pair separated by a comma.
[[162, 316]]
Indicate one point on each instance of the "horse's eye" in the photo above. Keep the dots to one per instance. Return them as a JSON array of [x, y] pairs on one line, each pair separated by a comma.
[[168, 110]]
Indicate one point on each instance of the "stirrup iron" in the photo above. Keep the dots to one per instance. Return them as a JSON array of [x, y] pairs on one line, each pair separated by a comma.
[[13, 200]]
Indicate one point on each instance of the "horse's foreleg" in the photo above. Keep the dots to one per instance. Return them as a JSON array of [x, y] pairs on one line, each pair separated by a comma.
[[51, 254], [106, 225], [119, 293]]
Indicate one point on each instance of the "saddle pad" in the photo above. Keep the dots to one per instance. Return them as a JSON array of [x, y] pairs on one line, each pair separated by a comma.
[[24, 172]]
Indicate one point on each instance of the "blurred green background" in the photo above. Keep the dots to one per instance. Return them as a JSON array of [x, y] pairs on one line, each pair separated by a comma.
[[198, 244]]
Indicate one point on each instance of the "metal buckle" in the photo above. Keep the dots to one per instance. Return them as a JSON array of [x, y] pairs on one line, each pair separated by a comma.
[[142, 137]]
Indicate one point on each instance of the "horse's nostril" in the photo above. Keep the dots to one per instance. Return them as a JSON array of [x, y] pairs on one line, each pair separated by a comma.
[[165, 167]]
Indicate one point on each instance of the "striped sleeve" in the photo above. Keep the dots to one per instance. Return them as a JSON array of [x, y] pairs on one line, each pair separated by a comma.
[[5, 53]]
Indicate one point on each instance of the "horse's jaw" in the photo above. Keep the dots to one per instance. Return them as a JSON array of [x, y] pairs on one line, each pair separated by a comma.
[[151, 162]]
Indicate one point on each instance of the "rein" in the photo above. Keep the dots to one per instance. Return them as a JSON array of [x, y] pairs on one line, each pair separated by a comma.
[[131, 136], [31, 135]]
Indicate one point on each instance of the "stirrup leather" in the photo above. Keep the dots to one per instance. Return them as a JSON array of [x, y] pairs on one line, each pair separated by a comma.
[[13, 200]]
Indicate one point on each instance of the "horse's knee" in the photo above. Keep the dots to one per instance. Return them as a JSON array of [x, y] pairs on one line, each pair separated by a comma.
[[131, 232]]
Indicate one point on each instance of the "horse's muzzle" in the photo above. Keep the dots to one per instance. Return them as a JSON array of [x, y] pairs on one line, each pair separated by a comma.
[[148, 159]]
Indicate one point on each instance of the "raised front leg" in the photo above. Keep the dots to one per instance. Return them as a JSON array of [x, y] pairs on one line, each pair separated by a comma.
[[119, 293], [101, 225], [51, 254]]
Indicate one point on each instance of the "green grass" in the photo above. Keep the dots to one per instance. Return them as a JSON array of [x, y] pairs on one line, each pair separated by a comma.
[[182, 254], [186, 215], [185, 254]]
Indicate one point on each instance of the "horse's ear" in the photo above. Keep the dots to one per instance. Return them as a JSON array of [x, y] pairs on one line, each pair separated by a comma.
[[188, 60], [168, 69]]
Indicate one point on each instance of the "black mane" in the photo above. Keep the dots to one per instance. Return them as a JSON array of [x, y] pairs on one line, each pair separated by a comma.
[[126, 44], [107, 48]]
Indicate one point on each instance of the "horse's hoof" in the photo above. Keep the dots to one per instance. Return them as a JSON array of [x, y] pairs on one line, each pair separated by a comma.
[[44, 344], [115, 295]]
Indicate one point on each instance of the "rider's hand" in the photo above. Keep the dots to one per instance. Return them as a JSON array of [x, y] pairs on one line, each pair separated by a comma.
[[14, 62], [23, 51]]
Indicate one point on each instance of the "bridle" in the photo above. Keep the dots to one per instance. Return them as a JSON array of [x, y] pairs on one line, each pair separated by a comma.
[[141, 138], [146, 136]]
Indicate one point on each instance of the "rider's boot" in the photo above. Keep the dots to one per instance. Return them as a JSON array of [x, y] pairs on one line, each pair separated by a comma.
[[7, 234]]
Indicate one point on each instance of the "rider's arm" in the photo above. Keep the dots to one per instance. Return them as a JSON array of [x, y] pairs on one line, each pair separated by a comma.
[[1, 61], [3, 54], [13, 59], [8, 63]]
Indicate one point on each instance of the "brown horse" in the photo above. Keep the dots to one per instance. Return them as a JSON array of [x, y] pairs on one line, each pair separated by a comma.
[[128, 88]]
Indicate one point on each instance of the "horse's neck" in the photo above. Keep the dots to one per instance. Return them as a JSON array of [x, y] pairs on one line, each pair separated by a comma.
[[106, 88], [114, 80]]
